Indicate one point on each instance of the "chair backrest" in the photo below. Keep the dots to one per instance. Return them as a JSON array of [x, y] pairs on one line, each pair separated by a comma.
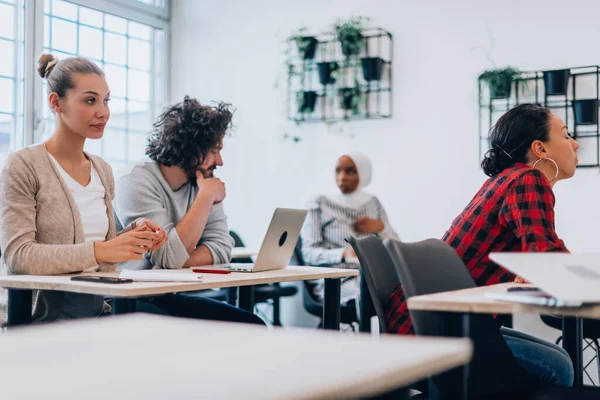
[[378, 271], [238, 242], [432, 266]]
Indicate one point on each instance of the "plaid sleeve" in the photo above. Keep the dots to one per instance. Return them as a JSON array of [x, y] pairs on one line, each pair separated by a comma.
[[397, 317], [528, 211]]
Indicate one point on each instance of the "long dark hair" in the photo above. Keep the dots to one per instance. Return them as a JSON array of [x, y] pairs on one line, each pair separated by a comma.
[[512, 135]]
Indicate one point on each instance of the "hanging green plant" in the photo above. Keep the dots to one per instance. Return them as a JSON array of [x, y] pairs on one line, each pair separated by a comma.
[[500, 81], [307, 45], [351, 98], [349, 34], [306, 101]]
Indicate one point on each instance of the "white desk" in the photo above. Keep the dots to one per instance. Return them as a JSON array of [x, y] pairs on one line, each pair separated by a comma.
[[20, 286], [154, 357]]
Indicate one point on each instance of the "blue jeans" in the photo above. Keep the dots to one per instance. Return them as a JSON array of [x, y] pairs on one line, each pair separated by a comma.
[[189, 306], [547, 361]]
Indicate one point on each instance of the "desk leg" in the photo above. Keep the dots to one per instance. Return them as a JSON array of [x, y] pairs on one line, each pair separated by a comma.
[[331, 304], [246, 298], [572, 332], [19, 307], [367, 309], [123, 306], [232, 295]]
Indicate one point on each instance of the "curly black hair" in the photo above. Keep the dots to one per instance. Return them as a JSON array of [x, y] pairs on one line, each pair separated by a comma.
[[185, 132]]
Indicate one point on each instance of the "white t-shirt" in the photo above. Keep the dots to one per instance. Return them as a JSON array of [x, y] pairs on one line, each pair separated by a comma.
[[91, 204]]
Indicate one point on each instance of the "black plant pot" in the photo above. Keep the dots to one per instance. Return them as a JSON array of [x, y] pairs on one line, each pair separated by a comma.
[[556, 82], [501, 90], [347, 96], [586, 111], [372, 68], [306, 102], [325, 71], [310, 46], [348, 49]]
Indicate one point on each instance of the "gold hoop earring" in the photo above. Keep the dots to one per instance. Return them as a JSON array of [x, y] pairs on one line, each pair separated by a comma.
[[548, 159]]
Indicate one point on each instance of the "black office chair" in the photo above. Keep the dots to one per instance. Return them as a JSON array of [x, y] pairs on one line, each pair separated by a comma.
[[313, 305], [378, 271], [591, 334], [431, 266], [268, 293]]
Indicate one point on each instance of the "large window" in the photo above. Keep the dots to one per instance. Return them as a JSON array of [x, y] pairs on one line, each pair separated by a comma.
[[12, 23], [130, 53], [126, 38]]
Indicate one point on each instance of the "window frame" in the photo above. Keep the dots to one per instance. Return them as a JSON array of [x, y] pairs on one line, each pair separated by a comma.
[[34, 46]]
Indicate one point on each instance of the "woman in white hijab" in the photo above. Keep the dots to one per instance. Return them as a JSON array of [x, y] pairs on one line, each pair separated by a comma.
[[349, 211]]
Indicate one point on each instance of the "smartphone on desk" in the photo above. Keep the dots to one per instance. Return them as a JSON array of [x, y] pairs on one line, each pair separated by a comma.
[[101, 279]]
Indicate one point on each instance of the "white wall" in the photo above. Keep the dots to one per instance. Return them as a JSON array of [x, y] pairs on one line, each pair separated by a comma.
[[426, 157]]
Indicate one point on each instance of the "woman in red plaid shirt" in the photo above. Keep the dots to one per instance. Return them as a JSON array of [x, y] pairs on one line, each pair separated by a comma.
[[530, 151]]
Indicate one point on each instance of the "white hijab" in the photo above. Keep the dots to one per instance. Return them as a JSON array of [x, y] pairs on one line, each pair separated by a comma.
[[358, 198]]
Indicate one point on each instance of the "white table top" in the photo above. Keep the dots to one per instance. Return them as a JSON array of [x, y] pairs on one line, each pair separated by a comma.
[[475, 301], [138, 289], [155, 357]]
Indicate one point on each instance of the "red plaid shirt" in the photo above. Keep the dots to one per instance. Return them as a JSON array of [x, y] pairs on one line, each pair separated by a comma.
[[513, 211]]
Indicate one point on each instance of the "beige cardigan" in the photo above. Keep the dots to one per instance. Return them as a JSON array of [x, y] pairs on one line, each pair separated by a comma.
[[40, 226]]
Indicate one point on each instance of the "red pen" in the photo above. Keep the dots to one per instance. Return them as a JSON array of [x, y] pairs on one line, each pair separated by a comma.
[[211, 271]]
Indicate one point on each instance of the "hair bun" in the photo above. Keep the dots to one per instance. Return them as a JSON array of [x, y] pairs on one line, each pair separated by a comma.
[[490, 164], [46, 63]]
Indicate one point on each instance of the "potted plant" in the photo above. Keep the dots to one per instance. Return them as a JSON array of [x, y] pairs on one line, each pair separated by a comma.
[[351, 97], [585, 111], [372, 68], [499, 81], [349, 34], [307, 45], [306, 101], [327, 72], [556, 82]]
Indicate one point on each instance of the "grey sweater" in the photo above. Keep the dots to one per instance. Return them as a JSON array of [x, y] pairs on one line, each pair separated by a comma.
[[144, 192]]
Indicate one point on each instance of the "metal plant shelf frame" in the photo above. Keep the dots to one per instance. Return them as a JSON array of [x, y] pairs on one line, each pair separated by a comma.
[[534, 80], [376, 96]]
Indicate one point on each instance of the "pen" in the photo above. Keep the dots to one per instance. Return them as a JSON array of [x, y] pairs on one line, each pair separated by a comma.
[[211, 270]]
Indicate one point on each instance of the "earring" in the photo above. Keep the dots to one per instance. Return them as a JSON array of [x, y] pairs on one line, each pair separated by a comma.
[[555, 166]]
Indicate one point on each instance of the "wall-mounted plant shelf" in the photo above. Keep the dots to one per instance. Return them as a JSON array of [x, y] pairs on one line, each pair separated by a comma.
[[573, 94], [355, 87]]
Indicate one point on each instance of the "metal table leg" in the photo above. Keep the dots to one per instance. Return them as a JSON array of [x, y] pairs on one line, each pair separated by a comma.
[[367, 309], [331, 304], [246, 298], [19, 307], [123, 306], [572, 332]]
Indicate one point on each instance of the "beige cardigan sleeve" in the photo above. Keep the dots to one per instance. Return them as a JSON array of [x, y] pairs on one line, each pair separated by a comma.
[[21, 253]]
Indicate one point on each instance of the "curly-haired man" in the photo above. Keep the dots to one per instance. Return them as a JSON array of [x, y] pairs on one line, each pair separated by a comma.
[[178, 191]]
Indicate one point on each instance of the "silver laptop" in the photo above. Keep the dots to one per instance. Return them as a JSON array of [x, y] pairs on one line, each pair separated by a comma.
[[279, 242], [562, 279]]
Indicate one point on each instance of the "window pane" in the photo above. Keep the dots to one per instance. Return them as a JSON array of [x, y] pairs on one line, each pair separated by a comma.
[[117, 80], [7, 65], [7, 21], [138, 85], [64, 10], [115, 48], [140, 31], [117, 113], [6, 129], [115, 24], [138, 116], [116, 140], [139, 54], [137, 146], [90, 17], [64, 36], [46, 31], [8, 95], [90, 42]]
